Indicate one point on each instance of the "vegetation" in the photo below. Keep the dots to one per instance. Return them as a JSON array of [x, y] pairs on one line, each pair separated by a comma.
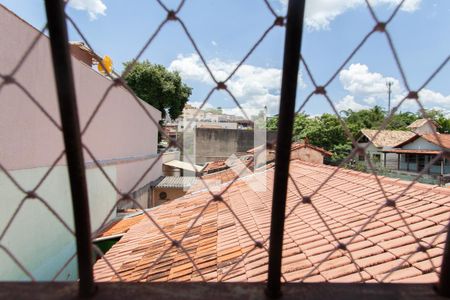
[[159, 87], [326, 130]]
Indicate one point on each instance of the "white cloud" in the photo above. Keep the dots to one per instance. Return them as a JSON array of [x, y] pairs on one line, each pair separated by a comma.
[[320, 13], [254, 87], [348, 102], [214, 43], [367, 89], [93, 7], [359, 81], [431, 97]]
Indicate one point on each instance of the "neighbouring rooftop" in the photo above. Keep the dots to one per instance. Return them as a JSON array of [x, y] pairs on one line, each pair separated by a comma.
[[177, 182], [438, 139], [120, 225], [387, 138], [346, 233]]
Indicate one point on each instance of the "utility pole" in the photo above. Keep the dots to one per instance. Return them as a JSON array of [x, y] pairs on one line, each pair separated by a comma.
[[389, 85]]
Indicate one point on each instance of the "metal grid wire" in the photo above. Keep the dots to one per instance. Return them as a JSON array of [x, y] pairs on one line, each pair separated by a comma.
[[172, 15], [389, 201]]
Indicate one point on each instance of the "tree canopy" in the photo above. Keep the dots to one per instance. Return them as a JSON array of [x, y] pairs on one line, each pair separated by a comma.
[[326, 130], [158, 87]]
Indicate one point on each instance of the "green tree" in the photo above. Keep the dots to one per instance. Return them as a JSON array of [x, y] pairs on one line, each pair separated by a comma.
[[401, 121], [158, 87], [365, 118], [439, 117]]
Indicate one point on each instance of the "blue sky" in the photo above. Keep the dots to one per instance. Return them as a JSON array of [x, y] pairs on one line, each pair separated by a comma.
[[226, 30]]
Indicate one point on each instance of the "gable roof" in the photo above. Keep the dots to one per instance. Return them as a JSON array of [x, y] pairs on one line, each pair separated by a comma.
[[387, 138], [441, 139], [223, 248], [300, 145], [420, 122]]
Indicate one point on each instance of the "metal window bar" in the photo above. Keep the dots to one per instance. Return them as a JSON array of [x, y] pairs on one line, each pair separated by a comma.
[[73, 144], [291, 63], [72, 140]]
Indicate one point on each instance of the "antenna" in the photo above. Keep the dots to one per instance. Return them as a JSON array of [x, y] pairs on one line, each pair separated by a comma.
[[389, 85]]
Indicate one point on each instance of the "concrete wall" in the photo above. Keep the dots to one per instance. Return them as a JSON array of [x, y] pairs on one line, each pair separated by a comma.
[[121, 137], [217, 144]]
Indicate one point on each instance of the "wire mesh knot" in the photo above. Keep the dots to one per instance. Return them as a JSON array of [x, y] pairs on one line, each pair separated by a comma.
[[31, 195], [413, 95], [176, 243], [422, 248], [279, 21], [171, 15], [306, 199], [320, 90], [258, 245], [390, 203], [341, 246], [127, 197], [217, 198], [380, 27], [117, 81], [221, 86], [8, 79]]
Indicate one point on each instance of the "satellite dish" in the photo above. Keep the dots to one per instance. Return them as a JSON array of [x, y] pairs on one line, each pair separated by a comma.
[[107, 63]]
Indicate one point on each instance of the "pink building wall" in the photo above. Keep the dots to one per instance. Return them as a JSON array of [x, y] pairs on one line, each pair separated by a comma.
[[120, 130], [121, 137]]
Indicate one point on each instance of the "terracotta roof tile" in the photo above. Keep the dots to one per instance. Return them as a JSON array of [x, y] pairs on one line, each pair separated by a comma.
[[347, 208], [120, 225]]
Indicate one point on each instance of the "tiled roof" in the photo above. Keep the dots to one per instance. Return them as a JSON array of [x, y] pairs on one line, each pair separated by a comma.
[[420, 122], [387, 138], [177, 182], [444, 139], [299, 145], [350, 203], [214, 166], [120, 226]]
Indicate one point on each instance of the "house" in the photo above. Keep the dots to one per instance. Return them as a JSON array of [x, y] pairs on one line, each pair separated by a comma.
[[379, 139], [170, 188], [385, 139], [423, 126], [346, 232], [414, 155], [121, 139], [302, 150]]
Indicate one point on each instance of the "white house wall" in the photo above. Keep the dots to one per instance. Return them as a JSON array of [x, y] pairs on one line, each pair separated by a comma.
[[421, 144]]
